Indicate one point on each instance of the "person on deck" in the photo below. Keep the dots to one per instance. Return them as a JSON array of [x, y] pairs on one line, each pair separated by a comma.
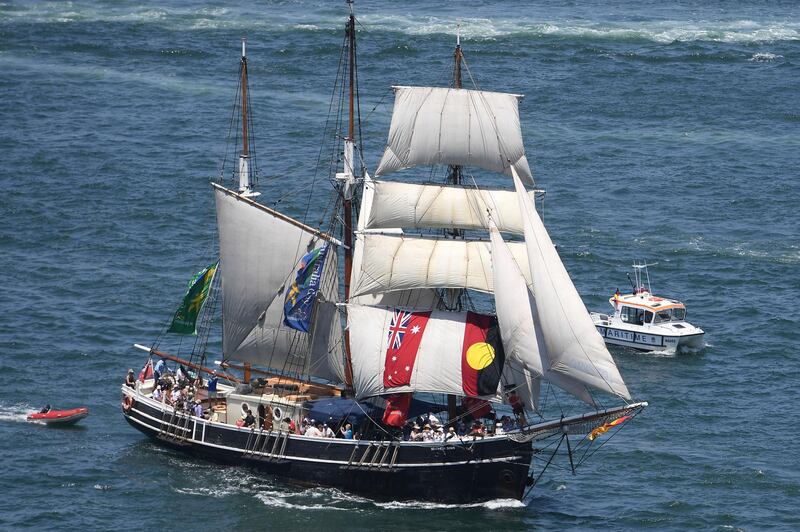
[[181, 375], [327, 432], [159, 369], [347, 431], [158, 394], [517, 406], [130, 379], [249, 419], [45, 409], [198, 408], [314, 431]]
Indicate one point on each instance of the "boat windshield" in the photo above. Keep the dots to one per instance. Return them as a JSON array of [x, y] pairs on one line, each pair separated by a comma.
[[675, 314], [663, 316]]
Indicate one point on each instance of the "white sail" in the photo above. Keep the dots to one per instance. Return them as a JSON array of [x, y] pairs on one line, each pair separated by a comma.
[[574, 353], [437, 366], [455, 127], [408, 205], [517, 317], [519, 378], [399, 262], [421, 298], [259, 250], [513, 307]]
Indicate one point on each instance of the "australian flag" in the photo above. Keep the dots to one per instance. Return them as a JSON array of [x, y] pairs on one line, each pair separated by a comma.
[[404, 336], [299, 303], [398, 328]]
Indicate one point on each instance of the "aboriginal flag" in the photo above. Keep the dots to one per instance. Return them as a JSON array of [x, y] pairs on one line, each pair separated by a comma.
[[482, 355]]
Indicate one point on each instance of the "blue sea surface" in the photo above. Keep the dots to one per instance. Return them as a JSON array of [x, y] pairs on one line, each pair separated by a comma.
[[666, 131]]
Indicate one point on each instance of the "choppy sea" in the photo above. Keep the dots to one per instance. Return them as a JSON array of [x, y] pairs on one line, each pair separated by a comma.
[[667, 131]]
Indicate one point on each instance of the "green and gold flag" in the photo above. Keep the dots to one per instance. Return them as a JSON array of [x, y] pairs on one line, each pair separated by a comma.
[[185, 320]]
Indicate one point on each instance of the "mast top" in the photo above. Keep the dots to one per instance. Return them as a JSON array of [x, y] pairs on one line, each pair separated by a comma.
[[244, 47], [458, 35]]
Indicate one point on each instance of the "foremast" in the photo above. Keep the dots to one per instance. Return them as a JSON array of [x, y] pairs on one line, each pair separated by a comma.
[[246, 172]]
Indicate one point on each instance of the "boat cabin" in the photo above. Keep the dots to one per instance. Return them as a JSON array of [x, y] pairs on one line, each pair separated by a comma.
[[644, 308]]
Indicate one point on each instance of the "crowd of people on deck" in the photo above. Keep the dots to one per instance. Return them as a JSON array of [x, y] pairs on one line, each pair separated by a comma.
[[317, 429], [180, 390]]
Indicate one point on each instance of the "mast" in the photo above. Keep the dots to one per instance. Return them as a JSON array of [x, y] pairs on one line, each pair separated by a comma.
[[349, 181], [245, 183], [455, 171], [245, 143], [452, 299], [455, 178]]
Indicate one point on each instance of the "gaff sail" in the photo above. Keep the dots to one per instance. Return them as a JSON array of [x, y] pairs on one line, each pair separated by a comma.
[[259, 251]]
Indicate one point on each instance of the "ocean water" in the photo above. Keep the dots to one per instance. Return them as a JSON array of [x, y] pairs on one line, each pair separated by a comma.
[[666, 131]]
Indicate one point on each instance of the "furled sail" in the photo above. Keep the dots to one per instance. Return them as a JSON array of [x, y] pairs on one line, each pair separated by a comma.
[[575, 354], [259, 250], [408, 205], [398, 262], [447, 126], [402, 350]]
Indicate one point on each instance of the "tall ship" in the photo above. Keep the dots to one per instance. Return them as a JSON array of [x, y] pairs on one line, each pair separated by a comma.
[[430, 363]]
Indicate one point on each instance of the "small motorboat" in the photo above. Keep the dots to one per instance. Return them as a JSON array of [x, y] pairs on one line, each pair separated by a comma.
[[646, 322], [59, 417]]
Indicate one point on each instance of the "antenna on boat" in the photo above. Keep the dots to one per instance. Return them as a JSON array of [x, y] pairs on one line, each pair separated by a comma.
[[637, 271]]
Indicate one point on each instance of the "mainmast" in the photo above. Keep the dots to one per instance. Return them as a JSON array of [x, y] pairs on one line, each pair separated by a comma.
[[348, 181], [245, 181], [458, 56], [452, 299]]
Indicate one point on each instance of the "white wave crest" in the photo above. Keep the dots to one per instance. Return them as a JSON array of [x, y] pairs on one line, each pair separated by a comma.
[[496, 504], [472, 28], [277, 499], [765, 57], [16, 412]]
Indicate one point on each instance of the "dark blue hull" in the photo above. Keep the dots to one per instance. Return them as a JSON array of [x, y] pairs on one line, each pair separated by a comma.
[[460, 471]]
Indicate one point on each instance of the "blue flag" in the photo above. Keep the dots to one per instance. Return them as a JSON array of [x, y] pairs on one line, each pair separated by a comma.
[[300, 298]]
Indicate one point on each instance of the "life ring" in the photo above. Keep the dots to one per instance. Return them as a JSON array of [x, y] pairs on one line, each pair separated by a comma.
[[276, 413], [127, 403]]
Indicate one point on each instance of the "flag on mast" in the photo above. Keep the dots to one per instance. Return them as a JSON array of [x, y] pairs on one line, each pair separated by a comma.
[[300, 298], [185, 319]]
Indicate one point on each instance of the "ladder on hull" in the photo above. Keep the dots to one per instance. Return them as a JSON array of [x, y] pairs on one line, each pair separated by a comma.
[[175, 427], [266, 445], [377, 456]]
